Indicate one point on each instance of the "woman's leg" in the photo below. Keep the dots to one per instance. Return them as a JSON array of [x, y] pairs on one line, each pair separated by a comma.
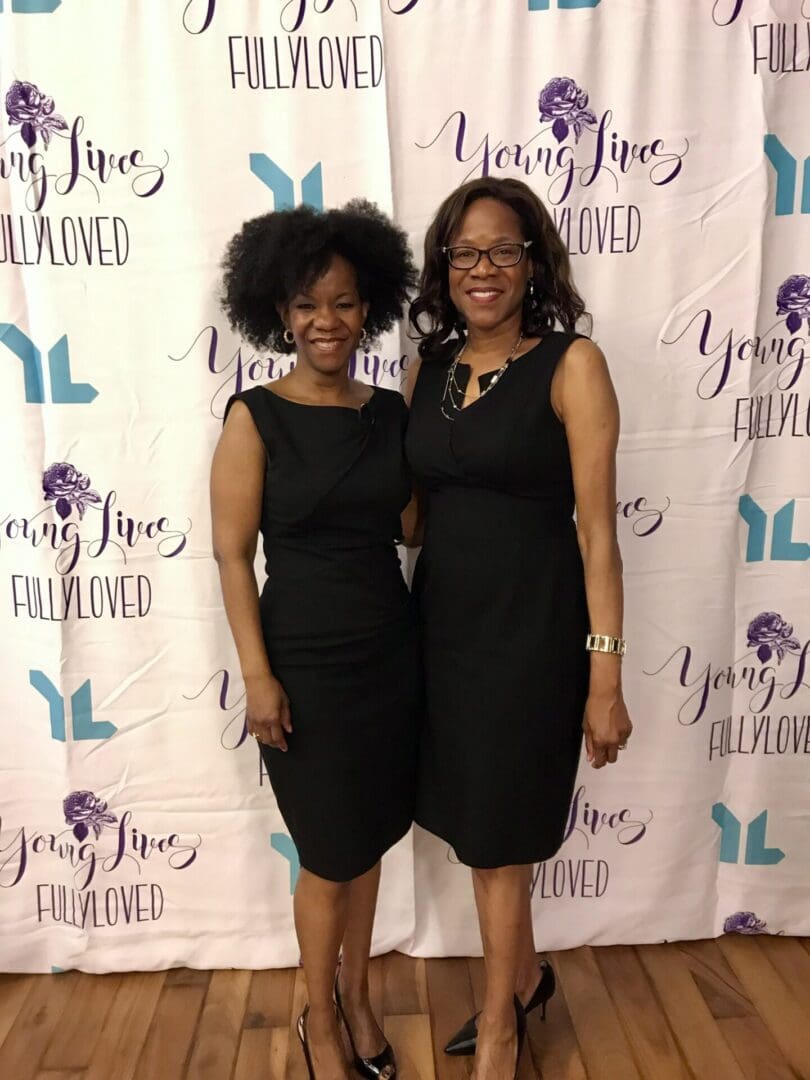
[[500, 896], [321, 909], [530, 970], [368, 1038]]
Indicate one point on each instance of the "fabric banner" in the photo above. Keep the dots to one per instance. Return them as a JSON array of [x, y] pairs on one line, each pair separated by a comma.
[[672, 146]]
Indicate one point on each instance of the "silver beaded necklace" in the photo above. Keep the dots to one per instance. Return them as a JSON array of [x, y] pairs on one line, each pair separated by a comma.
[[454, 394]]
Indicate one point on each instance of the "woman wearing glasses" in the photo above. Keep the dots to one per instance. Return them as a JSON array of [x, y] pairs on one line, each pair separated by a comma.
[[513, 424]]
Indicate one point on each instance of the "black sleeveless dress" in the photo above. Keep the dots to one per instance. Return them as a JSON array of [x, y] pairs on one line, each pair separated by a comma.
[[501, 595], [339, 626]]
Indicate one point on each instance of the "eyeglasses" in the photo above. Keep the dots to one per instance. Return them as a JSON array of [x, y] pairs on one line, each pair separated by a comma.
[[465, 258]]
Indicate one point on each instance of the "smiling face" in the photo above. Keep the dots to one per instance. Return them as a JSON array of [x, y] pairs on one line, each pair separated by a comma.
[[327, 319], [489, 296]]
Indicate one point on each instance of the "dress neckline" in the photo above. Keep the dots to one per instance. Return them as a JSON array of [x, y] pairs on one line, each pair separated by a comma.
[[309, 405], [485, 374], [522, 356]]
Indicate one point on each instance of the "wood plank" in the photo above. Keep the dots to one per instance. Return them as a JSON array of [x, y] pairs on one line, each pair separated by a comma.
[[171, 1035], [699, 1039], [721, 989], [604, 1047], [754, 1048], [376, 986], [793, 964], [279, 1052], [14, 989], [643, 1019], [451, 1003], [553, 1041], [270, 998], [39, 1015], [411, 1038], [127, 1027], [262, 1054], [217, 1041], [61, 1074], [182, 976], [750, 1041], [73, 1044], [401, 992], [296, 1065], [772, 997]]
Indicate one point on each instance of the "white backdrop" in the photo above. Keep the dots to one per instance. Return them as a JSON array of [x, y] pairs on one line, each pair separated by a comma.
[[671, 142]]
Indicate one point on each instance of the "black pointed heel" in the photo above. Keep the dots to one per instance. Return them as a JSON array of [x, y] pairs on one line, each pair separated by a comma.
[[381, 1067], [301, 1027], [463, 1042]]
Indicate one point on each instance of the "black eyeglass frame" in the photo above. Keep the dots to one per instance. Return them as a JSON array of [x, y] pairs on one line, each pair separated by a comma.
[[524, 245]]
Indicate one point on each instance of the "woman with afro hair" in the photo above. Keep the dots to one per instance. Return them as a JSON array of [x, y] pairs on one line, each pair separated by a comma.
[[328, 650]]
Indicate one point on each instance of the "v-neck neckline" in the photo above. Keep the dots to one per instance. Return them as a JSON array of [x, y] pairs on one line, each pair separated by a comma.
[[494, 371]]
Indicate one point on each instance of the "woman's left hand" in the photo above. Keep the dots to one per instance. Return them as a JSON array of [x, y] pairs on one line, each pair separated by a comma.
[[607, 728]]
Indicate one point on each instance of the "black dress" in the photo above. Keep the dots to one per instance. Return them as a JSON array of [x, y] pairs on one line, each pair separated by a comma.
[[501, 595], [339, 626]]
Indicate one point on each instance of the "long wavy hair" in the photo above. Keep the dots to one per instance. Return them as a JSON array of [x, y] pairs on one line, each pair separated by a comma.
[[433, 316]]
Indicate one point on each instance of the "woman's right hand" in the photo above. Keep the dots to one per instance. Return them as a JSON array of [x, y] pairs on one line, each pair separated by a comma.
[[268, 711]]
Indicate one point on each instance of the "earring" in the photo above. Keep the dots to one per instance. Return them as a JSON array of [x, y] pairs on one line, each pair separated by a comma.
[[365, 340], [289, 337]]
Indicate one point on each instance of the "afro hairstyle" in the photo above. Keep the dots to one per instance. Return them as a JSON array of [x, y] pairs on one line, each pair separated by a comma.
[[277, 255]]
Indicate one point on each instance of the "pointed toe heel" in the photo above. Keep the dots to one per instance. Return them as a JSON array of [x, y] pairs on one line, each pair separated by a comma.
[[382, 1066], [301, 1028], [464, 1041]]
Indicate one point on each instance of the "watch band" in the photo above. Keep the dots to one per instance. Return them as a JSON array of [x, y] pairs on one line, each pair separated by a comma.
[[605, 643]]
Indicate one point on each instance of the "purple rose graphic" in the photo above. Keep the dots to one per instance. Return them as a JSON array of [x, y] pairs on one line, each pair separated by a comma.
[[744, 922], [84, 811], [69, 488], [793, 300], [566, 105], [771, 634], [27, 105]]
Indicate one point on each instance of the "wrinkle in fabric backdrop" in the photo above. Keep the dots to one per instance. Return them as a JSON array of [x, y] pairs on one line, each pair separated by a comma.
[[136, 828]]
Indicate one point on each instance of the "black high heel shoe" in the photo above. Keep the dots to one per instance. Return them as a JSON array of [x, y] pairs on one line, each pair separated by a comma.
[[301, 1027], [381, 1067], [463, 1042]]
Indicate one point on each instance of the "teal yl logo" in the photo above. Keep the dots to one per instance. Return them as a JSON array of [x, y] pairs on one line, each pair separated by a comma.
[[33, 7], [563, 5], [786, 167], [283, 844], [756, 851], [783, 547], [64, 391], [282, 186], [82, 725]]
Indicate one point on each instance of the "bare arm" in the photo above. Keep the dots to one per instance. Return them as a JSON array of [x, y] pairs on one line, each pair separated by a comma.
[[585, 399], [237, 482]]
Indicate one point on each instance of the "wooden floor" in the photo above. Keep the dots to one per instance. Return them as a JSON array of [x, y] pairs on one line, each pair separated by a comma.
[[734, 1008]]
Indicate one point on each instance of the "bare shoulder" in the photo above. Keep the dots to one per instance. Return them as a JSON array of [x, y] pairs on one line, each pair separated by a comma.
[[582, 387], [582, 369], [583, 355], [239, 431]]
